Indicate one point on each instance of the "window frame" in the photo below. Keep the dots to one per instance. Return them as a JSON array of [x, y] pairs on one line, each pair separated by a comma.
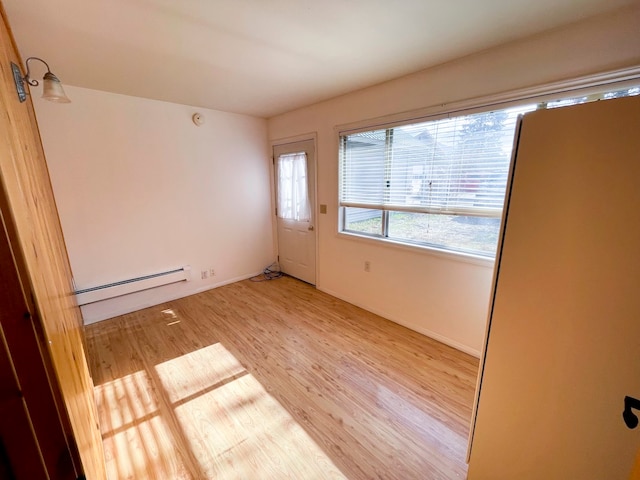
[[584, 86]]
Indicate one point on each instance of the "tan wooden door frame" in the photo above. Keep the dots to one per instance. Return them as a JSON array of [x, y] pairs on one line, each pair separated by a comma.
[[40, 283]]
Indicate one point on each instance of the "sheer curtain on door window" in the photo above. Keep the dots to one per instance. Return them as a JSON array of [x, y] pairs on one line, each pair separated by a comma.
[[293, 191]]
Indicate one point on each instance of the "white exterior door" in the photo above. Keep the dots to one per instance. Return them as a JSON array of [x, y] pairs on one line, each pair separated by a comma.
[[295, 209]]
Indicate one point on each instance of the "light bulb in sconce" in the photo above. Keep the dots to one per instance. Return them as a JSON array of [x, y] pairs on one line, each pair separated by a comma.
[[198, 119], [51, 87]]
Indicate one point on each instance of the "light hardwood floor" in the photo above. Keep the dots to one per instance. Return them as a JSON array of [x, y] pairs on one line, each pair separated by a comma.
[[276, 380]]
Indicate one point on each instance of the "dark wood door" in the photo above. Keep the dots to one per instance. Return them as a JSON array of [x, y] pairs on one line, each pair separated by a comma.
[[33, 442]]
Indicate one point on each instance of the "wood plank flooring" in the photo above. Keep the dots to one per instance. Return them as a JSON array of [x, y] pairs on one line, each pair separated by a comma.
[[276, 380]]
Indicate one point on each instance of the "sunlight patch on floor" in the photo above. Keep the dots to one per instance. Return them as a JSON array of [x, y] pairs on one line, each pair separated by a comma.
[[207, 400], [236, 429], [241, 432], [137, 442], [197, 371]]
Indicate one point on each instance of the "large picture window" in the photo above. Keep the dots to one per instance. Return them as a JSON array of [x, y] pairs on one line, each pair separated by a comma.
[[439, 183]]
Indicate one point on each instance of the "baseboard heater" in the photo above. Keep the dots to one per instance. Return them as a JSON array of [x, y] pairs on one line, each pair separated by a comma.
[[123, 287]]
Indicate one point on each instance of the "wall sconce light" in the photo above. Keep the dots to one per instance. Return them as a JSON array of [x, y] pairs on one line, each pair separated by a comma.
[[51, 87]]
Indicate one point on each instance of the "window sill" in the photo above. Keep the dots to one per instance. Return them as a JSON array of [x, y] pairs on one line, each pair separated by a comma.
[[421, 249]]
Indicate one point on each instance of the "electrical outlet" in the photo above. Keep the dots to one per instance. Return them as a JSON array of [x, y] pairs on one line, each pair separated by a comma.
[[212, 272], [204, 274], [367, 266]]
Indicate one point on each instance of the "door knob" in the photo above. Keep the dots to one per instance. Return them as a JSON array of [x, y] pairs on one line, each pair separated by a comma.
[[311, 228], [630, 418]]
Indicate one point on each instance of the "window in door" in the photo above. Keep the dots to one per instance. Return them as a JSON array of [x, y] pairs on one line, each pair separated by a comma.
[[293, 192]]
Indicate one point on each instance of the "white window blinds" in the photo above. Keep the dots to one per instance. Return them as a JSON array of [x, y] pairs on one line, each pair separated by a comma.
[[455, 166]]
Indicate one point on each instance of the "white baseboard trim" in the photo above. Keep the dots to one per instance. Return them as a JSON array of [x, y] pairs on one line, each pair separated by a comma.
[[424, 331]]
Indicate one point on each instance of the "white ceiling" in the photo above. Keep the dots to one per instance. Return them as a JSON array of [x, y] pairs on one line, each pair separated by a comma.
[[265, 57]]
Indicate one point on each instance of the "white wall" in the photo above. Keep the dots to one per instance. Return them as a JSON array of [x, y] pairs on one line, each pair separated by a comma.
[[441, 296], [140, 189]]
